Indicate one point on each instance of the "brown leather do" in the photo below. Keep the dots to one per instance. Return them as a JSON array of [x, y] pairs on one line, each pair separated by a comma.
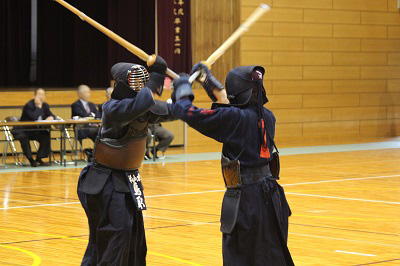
[[127, 156]]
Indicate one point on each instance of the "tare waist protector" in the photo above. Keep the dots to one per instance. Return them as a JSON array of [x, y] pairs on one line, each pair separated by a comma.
[[126, 155]]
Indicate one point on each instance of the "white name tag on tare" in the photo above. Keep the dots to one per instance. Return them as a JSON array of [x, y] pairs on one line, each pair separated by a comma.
[[136, 188]]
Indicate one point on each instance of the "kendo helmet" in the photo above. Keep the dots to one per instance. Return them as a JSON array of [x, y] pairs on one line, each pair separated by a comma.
[[243, 82], [129, 80]]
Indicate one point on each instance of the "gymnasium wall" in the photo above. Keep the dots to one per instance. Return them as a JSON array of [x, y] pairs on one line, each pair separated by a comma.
[[332, 66], [212, 23]]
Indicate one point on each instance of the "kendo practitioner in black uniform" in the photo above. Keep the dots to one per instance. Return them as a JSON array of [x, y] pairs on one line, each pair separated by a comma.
[[254, 215], [110, 188]]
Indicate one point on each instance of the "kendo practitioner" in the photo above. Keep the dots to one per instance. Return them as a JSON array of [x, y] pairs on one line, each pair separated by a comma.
[[110, 188], [35, 109], [254, 215]]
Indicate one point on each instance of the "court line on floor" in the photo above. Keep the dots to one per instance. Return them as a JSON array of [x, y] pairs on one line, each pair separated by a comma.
[[31, 240], [339, 180], [156, 179], [176, 220], [150, 179], [217, 223], [33, 194], [51, 185], [83, 240], [195, 223], [344, 218], [195, 157], [355, 253], [342, 198], [345, 239], [184, 211], [40, 205], [78, 168], [377, 161], [341, 189], [36, 259], [5, 203], [293, 215], [184, 193], [308, 167], [214, 191], [177, 183], [343, 229], [173, 258], [167, 227], [376, 262], [144, 179]]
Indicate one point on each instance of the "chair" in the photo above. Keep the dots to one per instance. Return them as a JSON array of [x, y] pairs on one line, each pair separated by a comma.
[[71, 143], [9, 142], [78, 143]]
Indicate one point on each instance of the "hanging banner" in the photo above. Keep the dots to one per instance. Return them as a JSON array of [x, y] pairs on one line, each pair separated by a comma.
[[174, 35]]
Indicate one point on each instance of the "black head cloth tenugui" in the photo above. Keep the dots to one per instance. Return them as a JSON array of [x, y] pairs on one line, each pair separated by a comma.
[[119, 72], [242, 81]]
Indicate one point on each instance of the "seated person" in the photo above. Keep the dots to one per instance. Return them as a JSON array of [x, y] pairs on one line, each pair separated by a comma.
[[108, 97], [164, 138], [35, 109], [83, 108]]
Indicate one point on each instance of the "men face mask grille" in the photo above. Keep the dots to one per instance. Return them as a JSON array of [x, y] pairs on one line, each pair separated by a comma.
[[137, 77]]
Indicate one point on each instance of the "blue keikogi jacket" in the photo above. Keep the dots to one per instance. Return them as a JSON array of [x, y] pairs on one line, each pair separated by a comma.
[[234, 127]]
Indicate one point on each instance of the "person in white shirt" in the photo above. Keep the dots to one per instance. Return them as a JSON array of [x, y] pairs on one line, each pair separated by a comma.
[[84, 108], [108, 97]]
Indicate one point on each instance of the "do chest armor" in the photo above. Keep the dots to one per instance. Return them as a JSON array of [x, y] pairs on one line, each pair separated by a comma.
[[127, 153], [138, 128]]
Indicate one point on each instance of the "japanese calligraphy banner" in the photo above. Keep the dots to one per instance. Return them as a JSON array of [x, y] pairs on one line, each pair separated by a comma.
[[173, 34]]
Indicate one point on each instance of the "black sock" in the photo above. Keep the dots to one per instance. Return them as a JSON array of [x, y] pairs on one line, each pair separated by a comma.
[[39, 160]]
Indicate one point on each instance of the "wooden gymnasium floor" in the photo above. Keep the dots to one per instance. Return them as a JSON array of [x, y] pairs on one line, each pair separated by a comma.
[[345, 212]]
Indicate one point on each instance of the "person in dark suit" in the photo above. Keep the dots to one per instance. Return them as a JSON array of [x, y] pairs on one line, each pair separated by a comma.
[[35, 109], [164, 138], [108, 97], [84, 108]]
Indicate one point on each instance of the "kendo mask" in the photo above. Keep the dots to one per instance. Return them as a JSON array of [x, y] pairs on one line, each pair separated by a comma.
[[244, 81], [244, 86], [129, 80]]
